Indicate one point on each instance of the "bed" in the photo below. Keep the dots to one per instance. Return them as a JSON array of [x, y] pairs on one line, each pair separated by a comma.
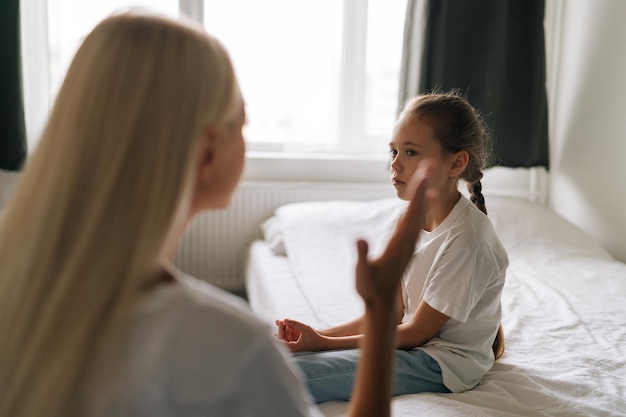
[[564, 311]]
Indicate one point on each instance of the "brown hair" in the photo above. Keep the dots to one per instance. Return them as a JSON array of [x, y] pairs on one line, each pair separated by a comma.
[[458, 126]]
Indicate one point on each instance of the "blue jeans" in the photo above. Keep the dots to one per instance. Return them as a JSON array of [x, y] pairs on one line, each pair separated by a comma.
[[330, 374]]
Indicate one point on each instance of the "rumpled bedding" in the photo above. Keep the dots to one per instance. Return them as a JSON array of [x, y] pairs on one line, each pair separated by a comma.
[[564, 304]]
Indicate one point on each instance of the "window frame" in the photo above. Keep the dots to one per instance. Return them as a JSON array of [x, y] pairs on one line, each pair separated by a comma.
[[329, 167]]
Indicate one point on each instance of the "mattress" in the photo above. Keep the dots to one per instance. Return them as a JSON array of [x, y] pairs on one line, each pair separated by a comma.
[[563, 304]]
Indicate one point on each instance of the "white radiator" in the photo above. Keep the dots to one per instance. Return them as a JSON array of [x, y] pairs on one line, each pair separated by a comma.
[[215, 247]]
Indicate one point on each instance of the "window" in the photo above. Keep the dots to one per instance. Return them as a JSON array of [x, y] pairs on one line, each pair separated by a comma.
[[317, 76], [69, 21], [320, 78]]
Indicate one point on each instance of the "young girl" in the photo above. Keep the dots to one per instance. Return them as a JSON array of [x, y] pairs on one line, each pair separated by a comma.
[[448, 330], [146, 132]]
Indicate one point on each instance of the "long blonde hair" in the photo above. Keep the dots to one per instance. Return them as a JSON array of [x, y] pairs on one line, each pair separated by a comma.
[[104, 193]]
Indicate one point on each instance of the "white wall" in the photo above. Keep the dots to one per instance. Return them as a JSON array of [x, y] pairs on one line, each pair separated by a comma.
[[588, 103]]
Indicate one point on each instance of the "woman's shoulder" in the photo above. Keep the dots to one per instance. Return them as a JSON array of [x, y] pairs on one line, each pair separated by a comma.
[[192, 346], [188, 302]]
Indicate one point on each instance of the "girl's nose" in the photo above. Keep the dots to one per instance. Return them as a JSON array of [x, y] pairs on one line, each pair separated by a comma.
[[395, 164]]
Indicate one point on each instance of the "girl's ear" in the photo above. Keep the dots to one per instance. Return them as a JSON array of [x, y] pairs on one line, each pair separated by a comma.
[[459, 163]]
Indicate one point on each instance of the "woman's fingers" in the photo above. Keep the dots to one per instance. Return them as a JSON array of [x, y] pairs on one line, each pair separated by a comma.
[[417, 187], [362, 261], [365, 284], [377, 279], [402, 243]]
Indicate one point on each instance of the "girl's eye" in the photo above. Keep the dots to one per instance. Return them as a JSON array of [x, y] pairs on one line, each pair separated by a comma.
[[393, 152], [411, 153]]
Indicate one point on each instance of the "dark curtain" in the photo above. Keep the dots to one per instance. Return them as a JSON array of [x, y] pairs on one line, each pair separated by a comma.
[[493, 51], [13, 131]]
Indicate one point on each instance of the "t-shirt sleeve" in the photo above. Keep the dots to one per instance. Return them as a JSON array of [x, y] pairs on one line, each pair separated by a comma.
[[457, 285], [447, 290]]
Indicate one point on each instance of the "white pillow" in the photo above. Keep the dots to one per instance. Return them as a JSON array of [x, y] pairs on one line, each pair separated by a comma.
[[305, 222], [274, 236]]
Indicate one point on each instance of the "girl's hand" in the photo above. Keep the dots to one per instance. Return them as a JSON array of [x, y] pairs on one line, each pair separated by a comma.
[[298, 336], [286, 333]]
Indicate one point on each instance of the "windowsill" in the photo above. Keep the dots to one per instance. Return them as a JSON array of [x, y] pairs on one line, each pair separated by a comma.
[[268, 166], [290, 167]]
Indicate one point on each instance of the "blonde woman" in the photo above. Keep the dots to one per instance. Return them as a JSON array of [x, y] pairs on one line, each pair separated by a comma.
[[146, 132]]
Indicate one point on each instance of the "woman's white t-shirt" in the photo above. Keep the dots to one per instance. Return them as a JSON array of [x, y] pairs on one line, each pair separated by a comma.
[[195, 350], [459, 270]]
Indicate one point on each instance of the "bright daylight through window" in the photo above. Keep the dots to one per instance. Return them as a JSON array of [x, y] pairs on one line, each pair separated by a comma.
[[317, 76]]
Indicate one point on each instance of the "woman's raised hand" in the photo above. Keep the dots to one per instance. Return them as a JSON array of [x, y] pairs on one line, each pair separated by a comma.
[[377, 280]]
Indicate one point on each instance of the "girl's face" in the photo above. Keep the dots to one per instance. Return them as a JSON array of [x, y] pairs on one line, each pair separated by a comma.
[[413, 141]]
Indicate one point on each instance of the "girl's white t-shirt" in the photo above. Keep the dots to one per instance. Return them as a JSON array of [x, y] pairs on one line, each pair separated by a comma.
[[459, 270], [194, 350]]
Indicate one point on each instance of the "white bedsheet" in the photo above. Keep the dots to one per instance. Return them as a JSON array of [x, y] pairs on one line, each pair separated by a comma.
[[563, 306]]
